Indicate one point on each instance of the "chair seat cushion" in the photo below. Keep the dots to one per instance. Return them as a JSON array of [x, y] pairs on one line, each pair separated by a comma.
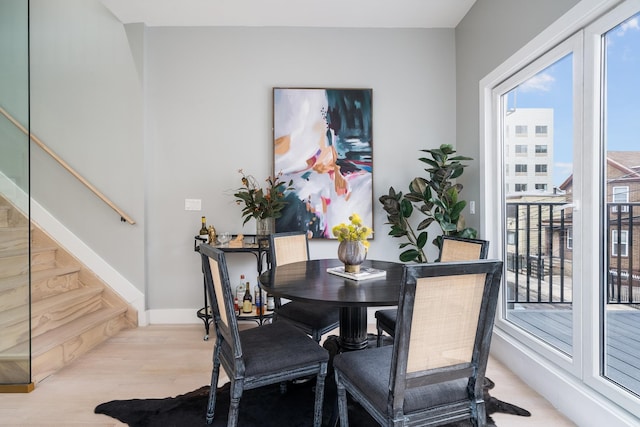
[[313, 315], [387, 318], [261, 357], [369, 371]]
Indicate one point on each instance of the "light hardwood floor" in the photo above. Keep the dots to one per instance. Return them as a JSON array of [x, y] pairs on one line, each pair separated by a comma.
[[159, 361]]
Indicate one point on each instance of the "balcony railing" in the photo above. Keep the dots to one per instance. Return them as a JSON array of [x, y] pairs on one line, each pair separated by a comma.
[[539, 258]]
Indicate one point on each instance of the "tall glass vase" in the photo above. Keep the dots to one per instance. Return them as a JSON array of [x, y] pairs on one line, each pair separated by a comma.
[[265, 227]]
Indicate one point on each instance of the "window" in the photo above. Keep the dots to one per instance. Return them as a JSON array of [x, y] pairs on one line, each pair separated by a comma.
[[594, 76], [624, 244], [541, 149], [620, 195], [541, 130], [540, 223], [521, 130], [521, 149]]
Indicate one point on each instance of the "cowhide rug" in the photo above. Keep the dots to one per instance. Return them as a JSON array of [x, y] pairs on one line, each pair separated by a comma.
[[263, 407]]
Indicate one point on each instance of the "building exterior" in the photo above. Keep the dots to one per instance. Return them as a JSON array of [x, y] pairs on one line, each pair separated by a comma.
[[540, 235], [528, 151], [623, 228]]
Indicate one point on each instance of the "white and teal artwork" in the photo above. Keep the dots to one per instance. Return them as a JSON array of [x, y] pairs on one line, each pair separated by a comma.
[[323, 142]]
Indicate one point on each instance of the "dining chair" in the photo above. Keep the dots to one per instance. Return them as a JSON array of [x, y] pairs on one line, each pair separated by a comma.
[[433, 374], [315, 320], [452, 249], [255, 357]]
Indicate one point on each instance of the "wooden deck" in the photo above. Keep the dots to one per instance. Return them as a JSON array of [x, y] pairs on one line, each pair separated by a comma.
[[622, 339]]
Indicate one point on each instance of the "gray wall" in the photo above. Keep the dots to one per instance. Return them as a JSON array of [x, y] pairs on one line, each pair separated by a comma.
[[152, 116], [86, 105], [209, 113], [491, 32]]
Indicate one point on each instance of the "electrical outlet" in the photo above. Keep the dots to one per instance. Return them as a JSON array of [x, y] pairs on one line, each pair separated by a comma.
[[472, 207], [192, 204]]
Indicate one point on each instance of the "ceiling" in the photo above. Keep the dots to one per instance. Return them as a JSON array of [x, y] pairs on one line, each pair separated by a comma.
[[293, 13]]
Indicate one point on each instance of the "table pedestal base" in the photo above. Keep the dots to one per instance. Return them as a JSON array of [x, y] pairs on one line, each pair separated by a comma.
[[353, 332], [353, 328]]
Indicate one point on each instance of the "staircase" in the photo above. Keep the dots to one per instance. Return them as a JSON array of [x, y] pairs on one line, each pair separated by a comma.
[[72, 310]]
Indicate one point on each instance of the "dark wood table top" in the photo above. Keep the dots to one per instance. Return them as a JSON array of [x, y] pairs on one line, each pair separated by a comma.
[[309, 281]]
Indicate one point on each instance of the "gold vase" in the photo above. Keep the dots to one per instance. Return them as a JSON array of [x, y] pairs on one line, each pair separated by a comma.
[[352, 254]]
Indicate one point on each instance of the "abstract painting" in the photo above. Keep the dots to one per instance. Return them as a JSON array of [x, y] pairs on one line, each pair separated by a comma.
[[323, 142]]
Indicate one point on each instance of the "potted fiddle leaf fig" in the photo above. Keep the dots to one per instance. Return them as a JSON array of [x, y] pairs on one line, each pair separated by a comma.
[[436, 197]]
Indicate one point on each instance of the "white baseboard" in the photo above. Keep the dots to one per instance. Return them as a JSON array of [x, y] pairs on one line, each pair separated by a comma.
[[180, 316]]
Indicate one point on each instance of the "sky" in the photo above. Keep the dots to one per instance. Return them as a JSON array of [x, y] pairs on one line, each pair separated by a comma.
[[552, 88]]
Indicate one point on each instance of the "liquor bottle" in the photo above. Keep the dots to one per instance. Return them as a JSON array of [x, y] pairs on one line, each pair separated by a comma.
[[247, 303], [271, 303], [235, 304], [258, 299], [203, 230], [240, 291]]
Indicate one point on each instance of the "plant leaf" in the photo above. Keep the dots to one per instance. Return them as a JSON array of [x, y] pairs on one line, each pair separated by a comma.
[[422, 240], [406, 208], [410, 255]]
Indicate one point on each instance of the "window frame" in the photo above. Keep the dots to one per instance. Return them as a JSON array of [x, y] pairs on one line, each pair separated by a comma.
[[542, 134], [625, 192], [541, 166], [606, 402], [524, 131], [494, 222], [540, 152], [521, 168], [624, 243]]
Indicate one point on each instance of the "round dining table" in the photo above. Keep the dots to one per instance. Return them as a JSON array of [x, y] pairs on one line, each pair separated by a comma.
[[309, 281]]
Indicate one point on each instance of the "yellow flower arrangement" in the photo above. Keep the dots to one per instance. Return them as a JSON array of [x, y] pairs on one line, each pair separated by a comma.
[[354, 231]]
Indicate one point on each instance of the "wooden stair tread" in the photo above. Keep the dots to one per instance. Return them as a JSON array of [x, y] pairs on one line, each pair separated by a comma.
[[72, 310], [75, 296], [21, 228], [45, 342], [6, 253], [13, 282], [44, 274], [70, 297], [52, 272]]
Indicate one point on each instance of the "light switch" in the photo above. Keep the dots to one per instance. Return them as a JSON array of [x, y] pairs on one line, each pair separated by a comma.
[[472, 207], [192, 204]]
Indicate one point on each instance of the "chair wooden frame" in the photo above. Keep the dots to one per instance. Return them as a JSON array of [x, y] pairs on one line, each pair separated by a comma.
[[258, 356], [452, 249], [431, 379], [314, 320]]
